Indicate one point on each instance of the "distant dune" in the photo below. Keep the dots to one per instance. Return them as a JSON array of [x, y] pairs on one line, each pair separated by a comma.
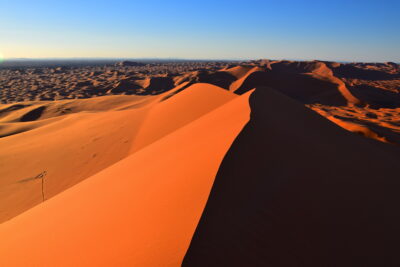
[[113, 165]]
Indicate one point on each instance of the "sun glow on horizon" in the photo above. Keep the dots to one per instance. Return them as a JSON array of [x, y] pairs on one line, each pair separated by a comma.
[[1, 58]]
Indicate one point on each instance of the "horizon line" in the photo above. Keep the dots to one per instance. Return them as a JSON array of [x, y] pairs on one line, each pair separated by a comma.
[[183, 59]]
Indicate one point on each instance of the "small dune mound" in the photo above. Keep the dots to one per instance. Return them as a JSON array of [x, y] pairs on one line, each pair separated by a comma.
[[33, 114], [159, 85], [239, 71], [10, 108], [22, 113], [124, 87]]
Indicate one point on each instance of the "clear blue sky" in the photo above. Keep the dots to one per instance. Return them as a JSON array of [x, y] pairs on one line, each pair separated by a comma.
[[347, 30]]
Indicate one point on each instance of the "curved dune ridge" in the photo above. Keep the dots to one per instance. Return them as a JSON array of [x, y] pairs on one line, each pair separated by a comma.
[[123, 179]]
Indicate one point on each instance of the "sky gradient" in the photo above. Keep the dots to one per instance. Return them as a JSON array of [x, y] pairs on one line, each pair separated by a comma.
[[327, 30]]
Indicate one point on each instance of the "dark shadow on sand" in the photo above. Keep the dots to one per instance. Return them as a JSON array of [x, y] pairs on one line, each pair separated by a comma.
[[296, 190]]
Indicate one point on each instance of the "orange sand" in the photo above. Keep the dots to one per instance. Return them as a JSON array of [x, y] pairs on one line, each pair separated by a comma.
[[141, 211]]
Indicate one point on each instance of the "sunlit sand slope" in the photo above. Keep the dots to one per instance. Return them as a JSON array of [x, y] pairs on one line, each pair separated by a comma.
[[141, 211], [69, 141]]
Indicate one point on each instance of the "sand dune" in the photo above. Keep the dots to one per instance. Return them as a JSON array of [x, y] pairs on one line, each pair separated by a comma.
[[141, 211], [309, 82], [273, 204], [218, 78], [66, 148], [123, 158], [242, 73], [72, 140], [239, 71]]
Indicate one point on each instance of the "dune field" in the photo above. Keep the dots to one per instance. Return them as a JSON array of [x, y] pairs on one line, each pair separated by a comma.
[[256, 163]]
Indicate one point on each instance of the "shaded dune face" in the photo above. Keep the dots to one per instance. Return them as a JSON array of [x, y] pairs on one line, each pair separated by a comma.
[[308, 82], [220, 78], [361, 98], [302, 87], [288, 195], [375, 84], [33, 114]]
